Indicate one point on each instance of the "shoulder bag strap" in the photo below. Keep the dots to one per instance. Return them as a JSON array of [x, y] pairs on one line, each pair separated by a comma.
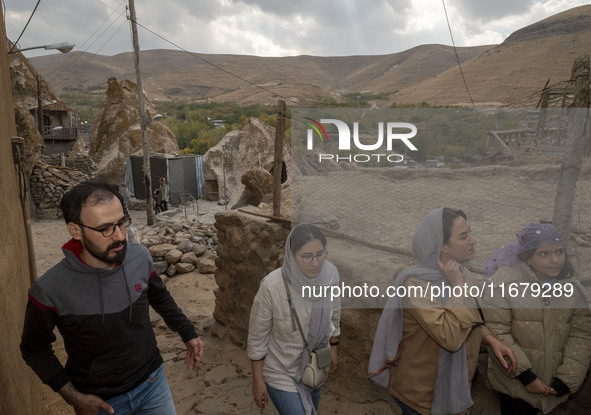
[[294, 314]]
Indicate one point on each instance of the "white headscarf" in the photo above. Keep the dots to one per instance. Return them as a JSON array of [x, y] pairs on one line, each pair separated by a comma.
[[451, 393], [320, 316]]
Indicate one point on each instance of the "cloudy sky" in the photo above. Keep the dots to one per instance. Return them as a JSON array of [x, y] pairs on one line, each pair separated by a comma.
[[273, 27]]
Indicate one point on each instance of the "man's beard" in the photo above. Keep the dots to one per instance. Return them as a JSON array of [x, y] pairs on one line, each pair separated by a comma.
[[104, 256]]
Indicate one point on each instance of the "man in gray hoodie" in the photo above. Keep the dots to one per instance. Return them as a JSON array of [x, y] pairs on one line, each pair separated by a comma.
[[98, 297]]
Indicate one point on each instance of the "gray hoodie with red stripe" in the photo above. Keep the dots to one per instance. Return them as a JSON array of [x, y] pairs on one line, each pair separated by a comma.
[[103, 317]]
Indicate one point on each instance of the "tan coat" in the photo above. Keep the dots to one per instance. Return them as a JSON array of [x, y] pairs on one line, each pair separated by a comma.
[[427, 326], [551, 336]]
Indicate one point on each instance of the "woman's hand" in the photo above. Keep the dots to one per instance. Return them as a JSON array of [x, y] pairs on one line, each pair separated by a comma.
[[537, 386], [333, 357], [452, 270], [501, 351], [259, 389], [259, 393]]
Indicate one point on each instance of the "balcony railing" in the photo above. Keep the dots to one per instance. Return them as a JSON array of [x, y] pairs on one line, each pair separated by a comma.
[[65, 134]]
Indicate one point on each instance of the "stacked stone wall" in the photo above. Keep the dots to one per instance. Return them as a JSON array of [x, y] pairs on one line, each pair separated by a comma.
[[249, 248], [80, 162], [180, 247]]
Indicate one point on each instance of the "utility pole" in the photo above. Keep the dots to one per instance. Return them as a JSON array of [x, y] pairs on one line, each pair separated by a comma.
[[140, 92], [576, 144], [278, 159], [40, 106]]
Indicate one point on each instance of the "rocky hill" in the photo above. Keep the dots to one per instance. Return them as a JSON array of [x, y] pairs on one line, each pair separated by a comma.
[[505, 73], [117, 131], [26, 95]]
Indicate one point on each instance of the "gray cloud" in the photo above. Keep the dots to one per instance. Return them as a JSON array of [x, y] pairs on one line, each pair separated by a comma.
[[275, 28], [488, 10]]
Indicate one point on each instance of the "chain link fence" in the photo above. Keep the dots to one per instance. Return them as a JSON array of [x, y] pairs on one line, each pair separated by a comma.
[[500, 166]]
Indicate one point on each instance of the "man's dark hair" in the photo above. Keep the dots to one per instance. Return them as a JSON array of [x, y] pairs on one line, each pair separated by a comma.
[[449, 215], [87, 193]]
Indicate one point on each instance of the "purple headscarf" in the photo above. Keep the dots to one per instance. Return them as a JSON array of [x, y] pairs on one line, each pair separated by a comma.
[[530, 236]]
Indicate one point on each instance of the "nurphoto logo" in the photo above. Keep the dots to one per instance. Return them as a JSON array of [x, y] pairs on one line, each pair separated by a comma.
[[386, 132]]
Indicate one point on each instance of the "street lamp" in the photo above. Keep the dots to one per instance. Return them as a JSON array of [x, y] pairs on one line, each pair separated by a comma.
[[63, 47]]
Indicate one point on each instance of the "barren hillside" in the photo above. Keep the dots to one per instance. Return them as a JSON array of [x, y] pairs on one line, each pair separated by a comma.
[[515, 69]]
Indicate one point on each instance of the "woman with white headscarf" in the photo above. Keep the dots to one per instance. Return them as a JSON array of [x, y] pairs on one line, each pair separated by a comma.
[[426, 349], [276, 348], [538, 307]]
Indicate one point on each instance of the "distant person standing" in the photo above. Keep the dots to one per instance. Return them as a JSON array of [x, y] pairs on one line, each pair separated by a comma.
[[156, 201], [164, 197]]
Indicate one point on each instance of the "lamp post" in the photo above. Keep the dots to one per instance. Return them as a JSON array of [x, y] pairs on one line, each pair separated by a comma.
[[63, 47]]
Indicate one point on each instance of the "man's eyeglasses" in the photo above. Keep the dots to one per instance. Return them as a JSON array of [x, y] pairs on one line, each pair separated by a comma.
[[308, 258], [109, 230]]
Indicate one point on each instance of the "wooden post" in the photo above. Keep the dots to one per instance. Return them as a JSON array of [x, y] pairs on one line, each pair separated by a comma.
[[543, 104], [143, 122], [40, 107], [577, 136], [278, 159]]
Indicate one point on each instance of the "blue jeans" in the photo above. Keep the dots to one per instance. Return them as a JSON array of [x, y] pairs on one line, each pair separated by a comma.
[[289, 403], [152, 397], [406, 410]]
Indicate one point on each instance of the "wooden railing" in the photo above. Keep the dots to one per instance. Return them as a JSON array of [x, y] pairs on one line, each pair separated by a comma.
[[65, 133]]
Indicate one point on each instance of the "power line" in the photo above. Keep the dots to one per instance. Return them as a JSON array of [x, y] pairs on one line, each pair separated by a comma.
[[25, 28], [218, 67], [93, 55], [456, 52], [71, 60], [180, 48]]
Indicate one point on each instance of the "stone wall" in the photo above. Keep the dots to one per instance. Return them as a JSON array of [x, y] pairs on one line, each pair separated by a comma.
[[179, 247], [248, 249], [81, 162], [48, 185]]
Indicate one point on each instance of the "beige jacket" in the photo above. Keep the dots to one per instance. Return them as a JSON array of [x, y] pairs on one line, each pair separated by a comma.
[[427, 326], [551, 336]]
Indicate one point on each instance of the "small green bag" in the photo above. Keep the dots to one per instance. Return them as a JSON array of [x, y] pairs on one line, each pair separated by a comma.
[[323, 356]]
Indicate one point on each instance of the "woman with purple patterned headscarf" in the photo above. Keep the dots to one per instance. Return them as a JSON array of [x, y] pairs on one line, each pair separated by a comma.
[[536, 305]]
